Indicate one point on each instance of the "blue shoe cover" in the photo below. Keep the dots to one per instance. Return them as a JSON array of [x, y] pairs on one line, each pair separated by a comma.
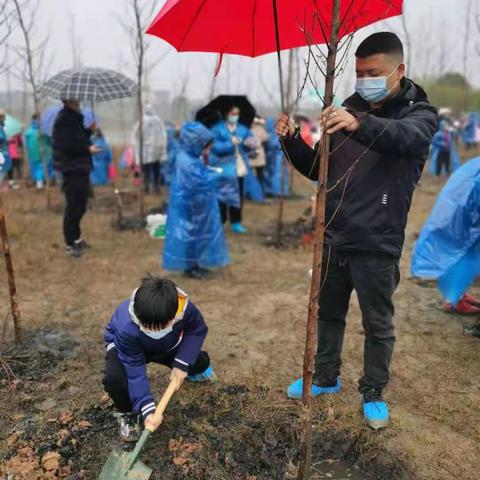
[[295, 389], [207, 376], [376, 414], [238, 228]]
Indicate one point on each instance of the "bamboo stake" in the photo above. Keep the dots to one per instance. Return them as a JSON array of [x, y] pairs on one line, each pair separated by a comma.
[[10, 275], [313, 307]]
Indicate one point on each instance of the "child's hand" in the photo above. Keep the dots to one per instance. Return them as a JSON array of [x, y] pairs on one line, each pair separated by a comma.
[[179, 376], [152, 422]]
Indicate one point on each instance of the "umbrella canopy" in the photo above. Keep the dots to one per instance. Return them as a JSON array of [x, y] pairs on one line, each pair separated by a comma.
[[48, 116], [219, 107], [249, 28], [89, 85], [12, 126]]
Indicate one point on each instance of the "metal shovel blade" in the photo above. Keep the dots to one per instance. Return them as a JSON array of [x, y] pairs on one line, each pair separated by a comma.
[[117, 468]]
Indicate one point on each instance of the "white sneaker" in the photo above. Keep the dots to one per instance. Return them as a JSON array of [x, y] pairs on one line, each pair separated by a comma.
[[130, 428]]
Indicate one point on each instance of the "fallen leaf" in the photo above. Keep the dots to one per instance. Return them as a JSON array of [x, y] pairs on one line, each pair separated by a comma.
[[12, 439], [173, 445], [84, 424], [62, 436], [66, 417], [51, 461], [179, 461]]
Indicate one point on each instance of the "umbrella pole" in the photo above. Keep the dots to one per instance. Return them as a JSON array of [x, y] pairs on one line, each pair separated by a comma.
[[283, 105], [313, 307]]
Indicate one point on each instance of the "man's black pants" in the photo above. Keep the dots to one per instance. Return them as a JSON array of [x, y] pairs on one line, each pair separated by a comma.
[[76, 188], [233, 214], [374, 277], [115, 377]]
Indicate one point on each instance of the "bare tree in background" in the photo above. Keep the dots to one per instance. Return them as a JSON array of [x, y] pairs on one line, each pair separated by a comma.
[[138, 16], [466, 50], [35, 68], [408, 40], [477, 23], [32, 53], [6, 28]]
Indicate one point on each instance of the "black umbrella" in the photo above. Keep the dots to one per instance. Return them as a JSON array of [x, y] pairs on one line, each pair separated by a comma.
[[218, 108]]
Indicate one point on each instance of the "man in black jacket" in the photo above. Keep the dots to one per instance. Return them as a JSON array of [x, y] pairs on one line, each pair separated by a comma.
[[379, 145], [72, 152]]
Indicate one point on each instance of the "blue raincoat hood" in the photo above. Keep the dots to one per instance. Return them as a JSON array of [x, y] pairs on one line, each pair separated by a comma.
[[194, 137]]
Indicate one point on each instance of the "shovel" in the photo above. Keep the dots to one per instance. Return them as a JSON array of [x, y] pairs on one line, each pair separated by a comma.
[[123, 465]]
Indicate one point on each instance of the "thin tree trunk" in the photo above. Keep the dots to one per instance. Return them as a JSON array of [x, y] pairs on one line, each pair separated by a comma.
[[35, 95], [313, 307], [466, 42], [140, 59], [11, 277]]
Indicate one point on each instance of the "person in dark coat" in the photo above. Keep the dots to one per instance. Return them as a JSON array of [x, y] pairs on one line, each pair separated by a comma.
[[72, 157], [379, 144]]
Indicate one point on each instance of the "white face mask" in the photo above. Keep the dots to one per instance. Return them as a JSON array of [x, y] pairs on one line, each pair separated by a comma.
[[157, 334]]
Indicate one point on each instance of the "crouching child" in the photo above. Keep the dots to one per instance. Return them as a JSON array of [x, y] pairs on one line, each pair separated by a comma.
[[158, 324]]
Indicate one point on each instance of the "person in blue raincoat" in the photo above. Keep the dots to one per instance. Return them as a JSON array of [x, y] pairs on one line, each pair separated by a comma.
[[5, 161], [276, 170], [32, 146], [444, 155], [101, 160], [195, 240], [229, 149], [172, 150], [469, 132], [448, 249]]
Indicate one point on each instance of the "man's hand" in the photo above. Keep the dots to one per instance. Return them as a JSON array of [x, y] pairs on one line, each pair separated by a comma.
[[235, 140], [152, 422], [94, 149], [179, 376], [334, 119], [285, 126]]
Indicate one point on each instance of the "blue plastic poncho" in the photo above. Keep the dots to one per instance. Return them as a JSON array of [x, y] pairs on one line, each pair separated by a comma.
[[101, 161], [5, 160], [448, 249], [443, 139], [469, 132], [32, 145], [168, 167], [194, 227], [276, 170], [223, 154]]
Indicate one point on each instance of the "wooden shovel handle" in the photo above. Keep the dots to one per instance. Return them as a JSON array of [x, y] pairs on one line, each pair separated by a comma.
[[162, 405]]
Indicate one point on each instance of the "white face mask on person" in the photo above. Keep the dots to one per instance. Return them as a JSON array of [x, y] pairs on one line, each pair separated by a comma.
[[157, 334], [374, 89]]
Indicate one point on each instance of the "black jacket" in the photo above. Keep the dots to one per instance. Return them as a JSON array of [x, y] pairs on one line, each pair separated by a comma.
[[70, 143], [392, 145]]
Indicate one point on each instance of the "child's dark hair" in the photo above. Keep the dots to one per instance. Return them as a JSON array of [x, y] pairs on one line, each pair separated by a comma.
[[156, 302]]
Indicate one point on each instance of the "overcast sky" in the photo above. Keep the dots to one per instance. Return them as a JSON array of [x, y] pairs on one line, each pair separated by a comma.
[[102, 42]]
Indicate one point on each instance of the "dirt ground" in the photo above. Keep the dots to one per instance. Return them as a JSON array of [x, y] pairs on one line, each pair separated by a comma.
[[57, 423]]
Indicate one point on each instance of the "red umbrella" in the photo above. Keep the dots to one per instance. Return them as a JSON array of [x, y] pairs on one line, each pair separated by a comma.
[[247, 27], [256, 27]]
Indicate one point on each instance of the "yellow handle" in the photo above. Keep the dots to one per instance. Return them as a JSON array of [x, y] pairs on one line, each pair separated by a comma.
[[162, 405]]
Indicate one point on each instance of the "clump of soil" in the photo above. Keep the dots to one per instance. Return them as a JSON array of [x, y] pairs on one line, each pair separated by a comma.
[[294, 235]]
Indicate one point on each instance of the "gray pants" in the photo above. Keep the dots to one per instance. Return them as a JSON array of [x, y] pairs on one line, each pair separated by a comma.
[[374, 277]]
